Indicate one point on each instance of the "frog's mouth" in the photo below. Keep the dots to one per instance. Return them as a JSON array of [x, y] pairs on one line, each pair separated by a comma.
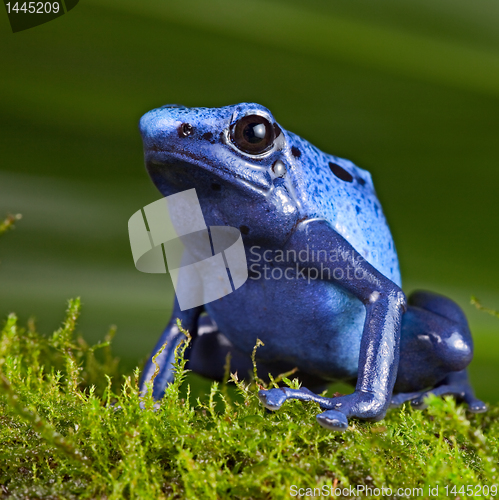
[[175, 170]]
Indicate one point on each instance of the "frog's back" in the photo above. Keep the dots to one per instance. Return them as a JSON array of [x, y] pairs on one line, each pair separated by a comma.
[[342, 193]]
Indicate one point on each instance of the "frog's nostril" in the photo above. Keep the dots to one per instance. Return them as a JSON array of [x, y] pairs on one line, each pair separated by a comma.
[[185, 129]]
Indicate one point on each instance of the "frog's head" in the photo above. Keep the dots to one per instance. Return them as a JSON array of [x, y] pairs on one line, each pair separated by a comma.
[[237, 158]]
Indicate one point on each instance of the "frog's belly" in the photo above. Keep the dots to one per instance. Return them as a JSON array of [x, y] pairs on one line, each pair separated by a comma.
[[315, 326]]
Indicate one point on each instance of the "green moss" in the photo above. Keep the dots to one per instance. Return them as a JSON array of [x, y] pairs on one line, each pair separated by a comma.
[[480, 307], [72, 426]]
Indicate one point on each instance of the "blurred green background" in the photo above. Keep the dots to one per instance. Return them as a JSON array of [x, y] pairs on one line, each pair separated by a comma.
[[408, 90]]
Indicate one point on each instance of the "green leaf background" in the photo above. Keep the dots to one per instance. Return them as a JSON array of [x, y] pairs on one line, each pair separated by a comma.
[[408, 90]]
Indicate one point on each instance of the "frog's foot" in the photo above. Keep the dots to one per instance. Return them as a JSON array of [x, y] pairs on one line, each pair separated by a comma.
[[274, 398], [460, 392], [330, 419], [455, 384], [338, 409], [333, 420]]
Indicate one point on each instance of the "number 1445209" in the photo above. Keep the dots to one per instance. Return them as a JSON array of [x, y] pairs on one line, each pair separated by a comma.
[[33, 7], [472, 490]]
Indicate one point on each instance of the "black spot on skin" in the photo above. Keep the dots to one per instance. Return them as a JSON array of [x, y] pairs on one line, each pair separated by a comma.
[[358, 210], [208, 136], [277, 130], [340, 172], [296, 152], [361, 181], [244, 229], [216, 186]]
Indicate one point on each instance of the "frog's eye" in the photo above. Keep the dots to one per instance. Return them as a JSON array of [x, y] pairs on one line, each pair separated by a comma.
[[253, 134]]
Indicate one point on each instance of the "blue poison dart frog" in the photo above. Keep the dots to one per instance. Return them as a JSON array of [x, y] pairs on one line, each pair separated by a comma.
[[324, 289]]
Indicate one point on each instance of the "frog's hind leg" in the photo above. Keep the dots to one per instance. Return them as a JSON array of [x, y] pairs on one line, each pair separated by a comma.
[[435, 348], [455, 384]]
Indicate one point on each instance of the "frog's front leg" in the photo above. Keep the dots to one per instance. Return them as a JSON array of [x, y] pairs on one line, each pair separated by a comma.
[[380, 344], [172, 336]]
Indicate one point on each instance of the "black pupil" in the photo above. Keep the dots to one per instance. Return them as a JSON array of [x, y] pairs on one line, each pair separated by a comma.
[[253, 134]]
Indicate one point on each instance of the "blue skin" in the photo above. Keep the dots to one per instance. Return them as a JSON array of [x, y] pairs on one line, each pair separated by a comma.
[[353, 323]]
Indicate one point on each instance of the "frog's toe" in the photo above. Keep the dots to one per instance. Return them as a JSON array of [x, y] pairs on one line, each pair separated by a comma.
[[420, 403], [402, 397], [333, 420], [476, 406], [460, 391], [272, 399]]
